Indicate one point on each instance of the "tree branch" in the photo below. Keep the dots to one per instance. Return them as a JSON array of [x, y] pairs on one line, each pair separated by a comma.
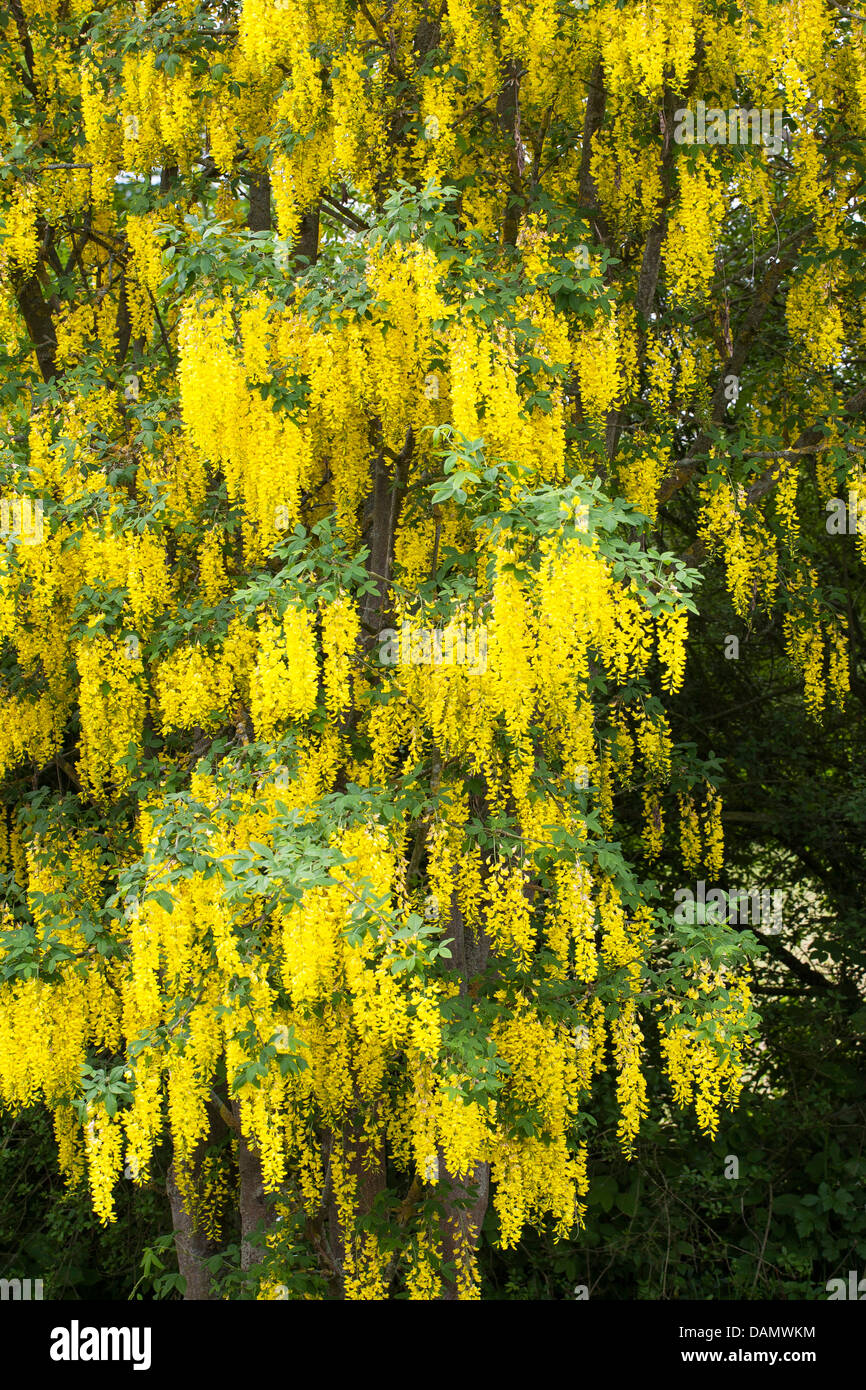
[[28, 77]]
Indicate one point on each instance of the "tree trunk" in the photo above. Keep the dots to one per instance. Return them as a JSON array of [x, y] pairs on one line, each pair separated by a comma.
[[40, 325], [259, 216], [508, 114], [254, 1211], [192, 1247], [368, 1167], [461, 1229], [307, 244], [380, 521]]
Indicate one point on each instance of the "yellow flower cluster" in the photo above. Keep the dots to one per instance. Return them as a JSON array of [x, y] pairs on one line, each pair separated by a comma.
[[690, 833], [672, 633], [814, 319], [19, 245], [103, 1144], [340, 632], [713, 834], [707, 1071], [284, 684], [688, 250], [112, 705]]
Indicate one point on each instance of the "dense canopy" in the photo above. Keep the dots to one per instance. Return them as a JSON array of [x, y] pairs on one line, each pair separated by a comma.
[[383, 388]]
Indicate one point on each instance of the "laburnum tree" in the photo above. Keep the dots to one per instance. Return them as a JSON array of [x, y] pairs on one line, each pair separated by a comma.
[[379, 380]]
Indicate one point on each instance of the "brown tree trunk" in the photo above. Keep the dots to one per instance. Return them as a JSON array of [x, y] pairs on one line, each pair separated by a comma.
[[192, 1246], [508, 114], [461, 1229], [368, 1167], [380, 521], [259, 216], [255, 1213], [40, 324], [462, 1225], [307, 244]]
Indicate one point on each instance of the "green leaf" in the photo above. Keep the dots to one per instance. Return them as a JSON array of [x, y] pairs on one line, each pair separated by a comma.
[[165, 901]]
